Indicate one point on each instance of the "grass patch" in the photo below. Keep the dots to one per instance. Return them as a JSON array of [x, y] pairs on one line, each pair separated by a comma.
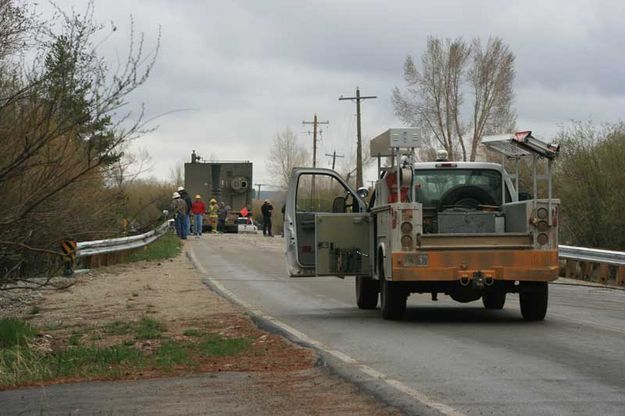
[[118, 328], [172, 353], [15, 332], [74, 339], [22, 362], [148, 328], [191, 332], [166, 247], [212, 345]]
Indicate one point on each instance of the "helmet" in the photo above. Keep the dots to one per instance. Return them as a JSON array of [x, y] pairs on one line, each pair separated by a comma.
[[198, 196], [180, 188], [176, 195], [213, 201]]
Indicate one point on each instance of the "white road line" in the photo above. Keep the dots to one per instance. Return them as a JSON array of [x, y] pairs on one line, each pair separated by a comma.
[[398, 385]]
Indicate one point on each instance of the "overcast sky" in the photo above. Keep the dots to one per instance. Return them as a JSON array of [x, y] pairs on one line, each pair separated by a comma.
[[248, 69]]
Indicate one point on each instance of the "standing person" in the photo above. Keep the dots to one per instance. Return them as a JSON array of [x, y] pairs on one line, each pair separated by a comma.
[[184, 195], [179, 208], [222, 214], [212, 214], [267, 210], [198, 209], [174, 211]]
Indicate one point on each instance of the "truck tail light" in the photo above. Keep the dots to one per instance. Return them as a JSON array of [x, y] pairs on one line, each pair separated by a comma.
[[542, 239], [406, 227], [406, 241]]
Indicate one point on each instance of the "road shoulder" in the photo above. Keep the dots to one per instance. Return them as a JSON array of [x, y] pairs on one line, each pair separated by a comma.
[[275, 376]]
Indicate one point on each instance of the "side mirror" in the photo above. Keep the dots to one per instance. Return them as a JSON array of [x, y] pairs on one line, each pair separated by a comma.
[[339, 205], [525, 196], [362, 192]]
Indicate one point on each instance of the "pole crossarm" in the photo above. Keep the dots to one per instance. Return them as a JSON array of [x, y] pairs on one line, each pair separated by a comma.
[[334, 156]]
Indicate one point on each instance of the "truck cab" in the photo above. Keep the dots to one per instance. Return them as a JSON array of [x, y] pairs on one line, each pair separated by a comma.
[[441, 227]]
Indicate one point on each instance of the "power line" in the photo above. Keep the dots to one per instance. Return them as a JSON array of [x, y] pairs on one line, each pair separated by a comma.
[[358, 98], [334, 156]]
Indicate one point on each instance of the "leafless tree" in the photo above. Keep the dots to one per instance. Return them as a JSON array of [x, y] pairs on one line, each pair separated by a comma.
[[176, 174], [128, 167], [491, 76], [434, 97], [284, 155]]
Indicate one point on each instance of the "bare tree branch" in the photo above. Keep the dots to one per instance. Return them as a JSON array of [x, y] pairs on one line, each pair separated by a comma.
[[433, 99]]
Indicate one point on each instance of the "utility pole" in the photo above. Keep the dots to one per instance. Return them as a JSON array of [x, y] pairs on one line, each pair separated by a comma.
[[259, 185], [315, 124], [358, 98], [334, 156]]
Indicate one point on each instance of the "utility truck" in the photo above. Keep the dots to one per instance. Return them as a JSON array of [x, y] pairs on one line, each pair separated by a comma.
[[443, 227]]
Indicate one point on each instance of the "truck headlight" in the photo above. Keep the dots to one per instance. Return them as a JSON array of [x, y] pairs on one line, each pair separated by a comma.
[[542, 239]]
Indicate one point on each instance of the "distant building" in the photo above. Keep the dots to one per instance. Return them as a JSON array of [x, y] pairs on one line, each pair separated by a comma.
[[226, 181]]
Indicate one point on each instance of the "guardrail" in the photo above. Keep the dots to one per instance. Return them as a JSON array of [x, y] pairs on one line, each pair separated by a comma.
[[101, 252], [582, 263], [604, 266]]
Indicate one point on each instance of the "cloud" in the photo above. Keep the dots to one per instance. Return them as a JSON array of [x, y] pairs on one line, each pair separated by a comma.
[[247, 69]]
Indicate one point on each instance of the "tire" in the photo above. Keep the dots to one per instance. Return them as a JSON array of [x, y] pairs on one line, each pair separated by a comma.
[[534, 297], [468, 196], [392, 299], [494, 300], [366, 292]]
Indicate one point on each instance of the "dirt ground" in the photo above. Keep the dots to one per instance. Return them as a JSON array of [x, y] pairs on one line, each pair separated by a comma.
[[282, 378]]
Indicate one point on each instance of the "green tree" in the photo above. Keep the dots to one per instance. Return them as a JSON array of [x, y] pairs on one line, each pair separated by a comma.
[[589, 179]]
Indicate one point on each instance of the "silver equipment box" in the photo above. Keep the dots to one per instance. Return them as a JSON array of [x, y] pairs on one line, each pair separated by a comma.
[[471, 222]]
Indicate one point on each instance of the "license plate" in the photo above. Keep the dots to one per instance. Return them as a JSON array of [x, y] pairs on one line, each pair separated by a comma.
[[415, 260]]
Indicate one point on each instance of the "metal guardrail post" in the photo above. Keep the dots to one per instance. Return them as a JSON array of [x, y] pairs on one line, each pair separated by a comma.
[[593, 264]]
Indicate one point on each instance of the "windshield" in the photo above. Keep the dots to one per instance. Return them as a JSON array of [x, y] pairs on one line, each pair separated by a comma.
[[430, 185]]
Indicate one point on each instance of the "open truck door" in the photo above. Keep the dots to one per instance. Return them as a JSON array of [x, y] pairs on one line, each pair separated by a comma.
[[327, 230]]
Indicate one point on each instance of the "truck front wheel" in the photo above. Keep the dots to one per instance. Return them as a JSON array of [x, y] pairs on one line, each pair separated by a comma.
[[392, 298], [534, 297], [366, 292]]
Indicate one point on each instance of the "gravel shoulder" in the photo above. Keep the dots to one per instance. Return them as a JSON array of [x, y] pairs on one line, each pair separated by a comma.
[[274, 376]]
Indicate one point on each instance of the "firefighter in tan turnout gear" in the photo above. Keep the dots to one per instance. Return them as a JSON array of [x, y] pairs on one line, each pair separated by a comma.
[[212, 214]]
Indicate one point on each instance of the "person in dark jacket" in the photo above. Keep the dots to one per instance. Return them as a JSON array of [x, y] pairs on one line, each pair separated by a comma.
[[184, 195], [222, 214], [179, 209], [267, 210]]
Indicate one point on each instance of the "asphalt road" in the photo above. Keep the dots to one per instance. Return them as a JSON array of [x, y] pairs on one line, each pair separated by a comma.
[[461, 357]]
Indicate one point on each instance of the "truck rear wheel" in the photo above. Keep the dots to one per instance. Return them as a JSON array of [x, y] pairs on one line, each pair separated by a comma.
[[366, 292], [392, 298], [494, 300], [534, 297]]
